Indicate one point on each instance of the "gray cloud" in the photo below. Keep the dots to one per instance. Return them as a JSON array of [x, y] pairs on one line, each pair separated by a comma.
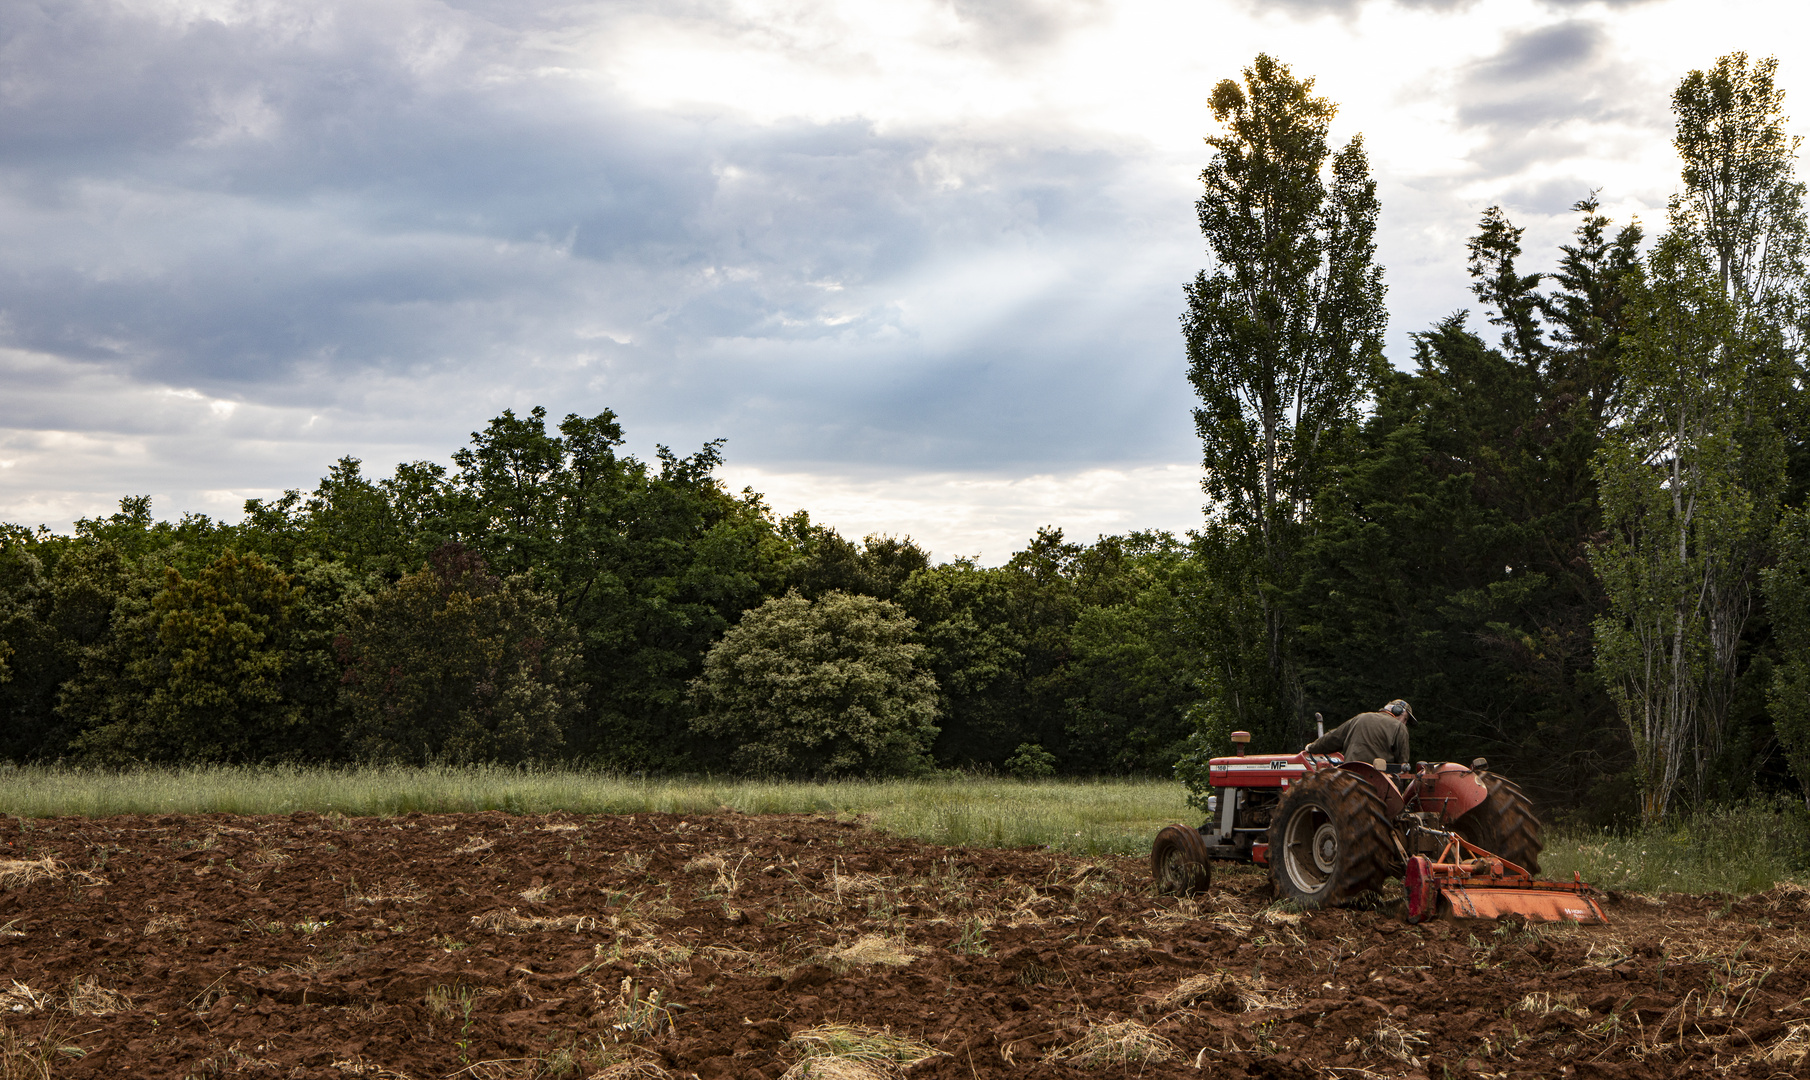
[[1014, 26], [1523, 97], [298, 210]]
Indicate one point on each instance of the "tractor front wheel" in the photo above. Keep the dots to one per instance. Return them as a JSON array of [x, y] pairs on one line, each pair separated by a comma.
[[1504, 824], [1330, 840], [1179, 862]]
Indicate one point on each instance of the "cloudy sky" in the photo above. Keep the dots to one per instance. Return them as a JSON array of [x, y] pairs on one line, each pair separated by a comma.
[[919, 262]]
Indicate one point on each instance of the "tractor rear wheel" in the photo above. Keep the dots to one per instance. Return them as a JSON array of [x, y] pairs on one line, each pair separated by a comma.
[[1179, 862], [1504, 823], [1331, 840]]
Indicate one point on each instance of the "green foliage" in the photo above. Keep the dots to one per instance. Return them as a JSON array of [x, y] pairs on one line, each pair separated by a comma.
[[829, 688], [1090, 651], [455, 664], [194, 671], [1448, 568], [1787, 589], [1739, 848], [1697, 466], [822, 561], [1031, 762], [1284, 338], [1742, 205], [1134, 670], [1673, 497]]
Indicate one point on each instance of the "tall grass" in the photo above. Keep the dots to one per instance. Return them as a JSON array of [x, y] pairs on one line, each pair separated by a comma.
[[1738, 849], [1742, 848], [1085, 817]]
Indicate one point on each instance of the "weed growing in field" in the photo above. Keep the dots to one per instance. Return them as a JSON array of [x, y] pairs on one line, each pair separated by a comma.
[[636, 1014], [1546, 1002], [1392, 1040], [37, 1057], [453, 1003], [973, 941]]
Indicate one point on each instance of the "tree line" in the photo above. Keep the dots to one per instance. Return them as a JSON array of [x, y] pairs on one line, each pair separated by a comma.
[[549, 597], [1579, 549]]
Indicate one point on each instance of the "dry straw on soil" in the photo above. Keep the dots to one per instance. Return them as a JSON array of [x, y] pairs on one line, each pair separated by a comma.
[[877, 949], [89, 998], [18, 873], [512, 922], [1226, 992], [848, 1052], [1126, 1043], [631, 1070]]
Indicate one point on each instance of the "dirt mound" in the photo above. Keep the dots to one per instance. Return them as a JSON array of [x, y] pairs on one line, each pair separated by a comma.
[[494, 946]]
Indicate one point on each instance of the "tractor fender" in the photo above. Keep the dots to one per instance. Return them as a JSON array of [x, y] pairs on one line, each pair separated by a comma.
[[1380, 781], [1454, 791]]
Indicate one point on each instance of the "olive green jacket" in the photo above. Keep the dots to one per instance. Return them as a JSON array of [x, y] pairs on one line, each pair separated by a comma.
[[1366, 737]]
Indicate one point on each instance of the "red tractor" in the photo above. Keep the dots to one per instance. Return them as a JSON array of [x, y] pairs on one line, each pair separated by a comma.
[[1465, 840]]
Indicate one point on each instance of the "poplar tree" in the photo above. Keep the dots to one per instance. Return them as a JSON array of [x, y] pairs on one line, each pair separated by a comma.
[[1693, 465], [1284, 339]]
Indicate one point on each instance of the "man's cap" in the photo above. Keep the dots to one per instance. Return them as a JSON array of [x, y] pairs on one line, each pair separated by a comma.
[[1401, 710]]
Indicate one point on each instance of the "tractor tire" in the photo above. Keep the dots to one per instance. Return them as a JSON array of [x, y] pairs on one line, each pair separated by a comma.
[[1179, 862], [1504, 824], [1331, 840]]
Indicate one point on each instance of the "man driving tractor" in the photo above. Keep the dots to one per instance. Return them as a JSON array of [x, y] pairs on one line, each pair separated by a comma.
[[1370, 735]]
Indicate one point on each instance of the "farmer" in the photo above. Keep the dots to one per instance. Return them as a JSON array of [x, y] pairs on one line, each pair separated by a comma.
[[1370, 735]]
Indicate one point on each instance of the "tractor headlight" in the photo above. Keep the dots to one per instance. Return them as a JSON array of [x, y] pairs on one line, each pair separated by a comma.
[[1212, 804]]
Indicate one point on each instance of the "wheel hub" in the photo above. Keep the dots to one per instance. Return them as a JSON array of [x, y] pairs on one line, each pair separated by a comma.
[[1326, 848]]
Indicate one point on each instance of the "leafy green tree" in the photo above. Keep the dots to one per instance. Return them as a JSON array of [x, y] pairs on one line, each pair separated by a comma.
[[834, 687], [194, 672], [1742, 203], [1713, 367], [1673, 497], [972, 623], [1133, 671], [37, 658], [822, 561], [1512, 297], [1284, 338], [455, 664], [60, 600], [1787, 588]]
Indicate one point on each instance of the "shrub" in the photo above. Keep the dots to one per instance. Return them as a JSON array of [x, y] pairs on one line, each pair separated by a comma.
[[828, 688], [1031, 762]]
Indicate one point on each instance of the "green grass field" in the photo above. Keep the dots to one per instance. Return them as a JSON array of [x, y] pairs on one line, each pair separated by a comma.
[[1085, 817], [1741, 849]]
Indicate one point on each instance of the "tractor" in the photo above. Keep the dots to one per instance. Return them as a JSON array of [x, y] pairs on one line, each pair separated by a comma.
[[1465, 841]]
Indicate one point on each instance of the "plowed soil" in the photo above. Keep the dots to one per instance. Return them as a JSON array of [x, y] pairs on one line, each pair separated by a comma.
[[497, 946]]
